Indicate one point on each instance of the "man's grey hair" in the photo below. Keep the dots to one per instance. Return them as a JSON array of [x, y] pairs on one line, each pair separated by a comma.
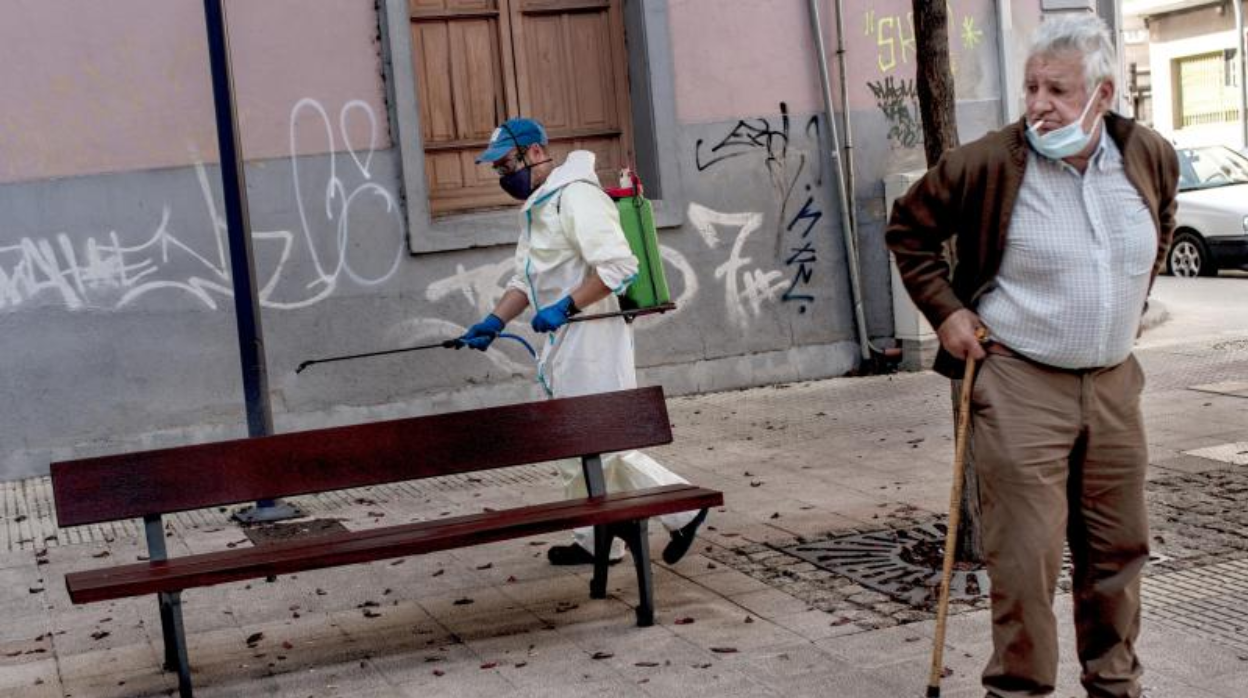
[[1084, 33]]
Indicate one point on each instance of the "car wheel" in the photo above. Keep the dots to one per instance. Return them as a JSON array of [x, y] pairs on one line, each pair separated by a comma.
[[1188, 256]]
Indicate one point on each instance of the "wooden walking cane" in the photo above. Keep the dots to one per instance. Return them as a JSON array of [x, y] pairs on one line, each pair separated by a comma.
[[951, 535]]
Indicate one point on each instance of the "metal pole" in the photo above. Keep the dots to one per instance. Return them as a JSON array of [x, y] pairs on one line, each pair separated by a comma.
[[242, 264], [1243, 78], [842, 72], [847, 227]]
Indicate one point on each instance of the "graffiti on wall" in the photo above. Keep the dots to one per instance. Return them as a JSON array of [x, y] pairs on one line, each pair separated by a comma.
[[749, 286], [898, 100], [113, 270], [892, 38]]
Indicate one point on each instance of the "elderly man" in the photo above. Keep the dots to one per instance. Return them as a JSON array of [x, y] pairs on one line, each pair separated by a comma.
[[1062, 222], [573, 257]]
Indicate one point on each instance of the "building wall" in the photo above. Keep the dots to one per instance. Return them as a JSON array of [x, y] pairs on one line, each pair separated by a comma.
[[1181, 34], [115, 307]]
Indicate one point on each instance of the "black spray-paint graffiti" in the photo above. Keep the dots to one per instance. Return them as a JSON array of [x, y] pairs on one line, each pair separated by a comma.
[[899, 100], [749, 136], [786, 170], [802, 259]]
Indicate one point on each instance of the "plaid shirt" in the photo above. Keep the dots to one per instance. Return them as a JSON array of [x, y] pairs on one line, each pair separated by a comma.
[[1077, 262]]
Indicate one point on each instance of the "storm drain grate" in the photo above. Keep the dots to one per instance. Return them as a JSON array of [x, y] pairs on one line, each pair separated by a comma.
[[902, 563], [906, 564], [1210, 602]]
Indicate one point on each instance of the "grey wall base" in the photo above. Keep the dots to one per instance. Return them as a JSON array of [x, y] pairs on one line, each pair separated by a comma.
[[800, 363], [918, 355]]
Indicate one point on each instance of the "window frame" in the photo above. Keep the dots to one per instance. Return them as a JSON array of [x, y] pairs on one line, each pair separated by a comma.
[[652, 96]]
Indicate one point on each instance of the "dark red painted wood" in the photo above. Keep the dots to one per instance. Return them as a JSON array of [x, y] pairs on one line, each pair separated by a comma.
[[130, 485], [382, 543]]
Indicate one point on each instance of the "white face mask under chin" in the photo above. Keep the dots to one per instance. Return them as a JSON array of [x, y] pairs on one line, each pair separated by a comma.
[[1066, 141]]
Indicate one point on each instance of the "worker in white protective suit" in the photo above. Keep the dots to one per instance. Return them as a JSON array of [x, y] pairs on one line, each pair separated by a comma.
[[572, 257]]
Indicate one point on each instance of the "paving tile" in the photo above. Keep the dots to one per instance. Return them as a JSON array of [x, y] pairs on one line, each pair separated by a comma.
[[730, 582], [18, 678], [878, 648], [769, 603]]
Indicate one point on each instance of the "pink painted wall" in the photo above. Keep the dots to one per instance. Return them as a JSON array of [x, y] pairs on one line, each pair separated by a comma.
[[90, 87], [743, 62]]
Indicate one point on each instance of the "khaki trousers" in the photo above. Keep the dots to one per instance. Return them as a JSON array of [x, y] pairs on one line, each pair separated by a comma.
[[1061, 455]]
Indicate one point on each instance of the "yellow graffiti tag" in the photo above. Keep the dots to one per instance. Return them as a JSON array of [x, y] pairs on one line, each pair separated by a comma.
[[894, 37]]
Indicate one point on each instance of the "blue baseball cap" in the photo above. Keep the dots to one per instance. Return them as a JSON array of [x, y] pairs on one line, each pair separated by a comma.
[[512, 133]]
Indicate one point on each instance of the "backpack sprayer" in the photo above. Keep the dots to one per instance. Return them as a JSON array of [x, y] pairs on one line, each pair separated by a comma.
[[646, 295]]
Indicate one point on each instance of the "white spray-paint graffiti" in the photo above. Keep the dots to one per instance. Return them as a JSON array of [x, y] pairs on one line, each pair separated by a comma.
[[103, 272], [745, 290]]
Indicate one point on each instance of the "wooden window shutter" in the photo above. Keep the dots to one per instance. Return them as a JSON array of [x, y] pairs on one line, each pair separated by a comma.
[[478, 62]]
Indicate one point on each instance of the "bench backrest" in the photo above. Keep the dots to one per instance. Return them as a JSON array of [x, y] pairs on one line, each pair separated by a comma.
[[131, 485]]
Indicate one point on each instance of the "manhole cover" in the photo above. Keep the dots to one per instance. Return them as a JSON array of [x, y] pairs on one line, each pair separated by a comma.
[[904, 564]]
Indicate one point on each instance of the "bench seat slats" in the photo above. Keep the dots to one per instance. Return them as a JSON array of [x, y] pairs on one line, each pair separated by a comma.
[[380, 543]]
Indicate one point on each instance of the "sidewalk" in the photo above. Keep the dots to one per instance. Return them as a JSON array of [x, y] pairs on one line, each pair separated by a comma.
[[801, 466]]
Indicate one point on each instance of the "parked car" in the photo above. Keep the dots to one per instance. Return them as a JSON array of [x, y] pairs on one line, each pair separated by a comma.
[[1211, 229]]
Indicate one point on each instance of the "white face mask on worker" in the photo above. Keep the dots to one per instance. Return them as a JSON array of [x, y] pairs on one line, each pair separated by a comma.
[[1066, 141]]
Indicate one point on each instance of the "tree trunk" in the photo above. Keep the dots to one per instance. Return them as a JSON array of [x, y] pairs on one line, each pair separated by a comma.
[[934, 78], [934, 83]]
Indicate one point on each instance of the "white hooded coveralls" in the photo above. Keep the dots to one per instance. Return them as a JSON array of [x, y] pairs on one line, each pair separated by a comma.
[[570, 227]]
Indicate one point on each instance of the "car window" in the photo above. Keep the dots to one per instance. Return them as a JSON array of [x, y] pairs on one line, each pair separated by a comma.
[[1216, 166]]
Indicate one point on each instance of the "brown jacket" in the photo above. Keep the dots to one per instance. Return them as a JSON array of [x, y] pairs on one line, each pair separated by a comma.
[[971, 192]]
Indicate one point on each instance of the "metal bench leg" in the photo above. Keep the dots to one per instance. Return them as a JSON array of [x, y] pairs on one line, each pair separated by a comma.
[[175, 641], [596, 486], [638, 539], [603, 536]]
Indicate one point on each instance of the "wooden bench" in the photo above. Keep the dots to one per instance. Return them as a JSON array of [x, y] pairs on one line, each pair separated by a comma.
[[150, 484]]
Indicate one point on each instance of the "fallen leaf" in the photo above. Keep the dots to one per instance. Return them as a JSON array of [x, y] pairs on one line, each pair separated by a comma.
[[286, 645], [439, 573], [724, 650], [100, 634], [254, 639], [486, 566], [101, 554], [646, 664], [489, 665], [463, 602], [601, 655], [683, 621], [439, 672]]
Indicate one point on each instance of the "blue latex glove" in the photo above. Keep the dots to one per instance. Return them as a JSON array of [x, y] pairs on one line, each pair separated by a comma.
[[480, 335], [554, 316]]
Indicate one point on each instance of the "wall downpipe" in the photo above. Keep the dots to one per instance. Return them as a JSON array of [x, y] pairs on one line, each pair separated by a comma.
[[845, 198], [1243, 78]]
